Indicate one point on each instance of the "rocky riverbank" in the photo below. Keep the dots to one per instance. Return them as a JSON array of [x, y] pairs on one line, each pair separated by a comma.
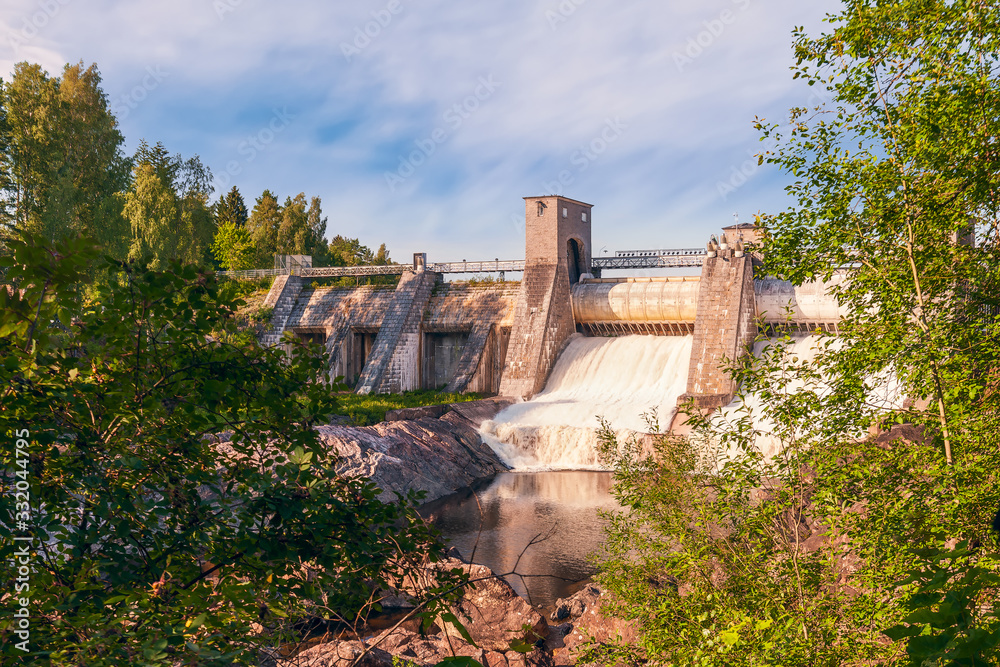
[[497, 621], [436, 449]]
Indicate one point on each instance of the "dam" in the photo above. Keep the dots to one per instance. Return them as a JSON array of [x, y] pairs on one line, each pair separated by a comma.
[[506, 337], [578, 337]]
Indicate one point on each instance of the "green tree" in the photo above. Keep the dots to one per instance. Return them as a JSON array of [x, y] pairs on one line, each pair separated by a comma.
[[894, 181], [181, 507], [233, 248], [31, 104], [319, 248], [62, 156], [231, 208], [167, 207], [293, 232], [842, 549], [349, 252], [263, 224]]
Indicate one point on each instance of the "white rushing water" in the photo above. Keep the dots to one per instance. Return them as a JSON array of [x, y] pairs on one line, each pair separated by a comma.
[[886, 395], [616, 378]]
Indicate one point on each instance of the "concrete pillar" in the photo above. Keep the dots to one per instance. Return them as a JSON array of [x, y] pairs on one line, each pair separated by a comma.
[[725, 326]]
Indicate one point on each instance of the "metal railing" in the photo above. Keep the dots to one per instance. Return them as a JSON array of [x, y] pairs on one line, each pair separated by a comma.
[[623, 259], [668, 252], [639, 260], [253, 273], [348, 271], [477, 267]]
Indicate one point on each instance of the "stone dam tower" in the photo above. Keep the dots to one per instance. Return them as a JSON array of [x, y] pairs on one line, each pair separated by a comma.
[[557, 255]]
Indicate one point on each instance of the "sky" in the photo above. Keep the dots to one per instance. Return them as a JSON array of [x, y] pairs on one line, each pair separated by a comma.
[[423, 124]]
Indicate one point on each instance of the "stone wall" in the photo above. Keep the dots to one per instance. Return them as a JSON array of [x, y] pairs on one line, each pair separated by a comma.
[[394, 363], [557, 254], [282, 298], [725, 327], [350, 321], [543, 322], [346, 316], [486, 313]]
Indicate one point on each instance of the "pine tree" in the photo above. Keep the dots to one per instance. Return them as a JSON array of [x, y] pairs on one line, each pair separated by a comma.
[[232, 209]]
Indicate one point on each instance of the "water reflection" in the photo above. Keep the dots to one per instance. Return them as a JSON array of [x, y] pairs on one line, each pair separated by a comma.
[[557, 509]]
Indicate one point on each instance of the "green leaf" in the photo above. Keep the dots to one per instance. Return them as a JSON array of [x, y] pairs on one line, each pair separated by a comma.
[[449, 617]]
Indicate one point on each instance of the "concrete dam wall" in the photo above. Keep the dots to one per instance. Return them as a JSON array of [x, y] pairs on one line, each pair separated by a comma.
[[505, 337], [421, 334]]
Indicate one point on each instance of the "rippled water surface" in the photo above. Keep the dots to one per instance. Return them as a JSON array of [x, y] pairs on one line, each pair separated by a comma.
[[559, 508]]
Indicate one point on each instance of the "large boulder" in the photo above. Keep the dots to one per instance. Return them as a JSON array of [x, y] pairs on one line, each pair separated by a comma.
[[490, 610], [421, 650], [493, 613], [338, 654], [437, 456], [584, 617]]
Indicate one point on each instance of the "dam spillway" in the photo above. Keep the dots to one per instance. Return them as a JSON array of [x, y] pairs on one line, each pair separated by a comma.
[[618, 379]]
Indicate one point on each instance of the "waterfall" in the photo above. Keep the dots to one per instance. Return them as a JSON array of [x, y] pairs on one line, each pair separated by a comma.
[[886, 394], [616, 378]]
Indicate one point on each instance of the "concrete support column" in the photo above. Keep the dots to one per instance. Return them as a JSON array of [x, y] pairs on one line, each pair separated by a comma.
[[725, 326]]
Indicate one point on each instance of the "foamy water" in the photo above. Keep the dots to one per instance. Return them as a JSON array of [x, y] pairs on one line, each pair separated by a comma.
[[615, 378], [886, 395]]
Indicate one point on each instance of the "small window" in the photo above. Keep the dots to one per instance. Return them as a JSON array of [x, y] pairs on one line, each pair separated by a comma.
[[541, 209], [583, 216], [565, 212]]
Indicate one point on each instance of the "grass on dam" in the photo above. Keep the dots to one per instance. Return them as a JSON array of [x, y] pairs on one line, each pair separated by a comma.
[[371, 409]]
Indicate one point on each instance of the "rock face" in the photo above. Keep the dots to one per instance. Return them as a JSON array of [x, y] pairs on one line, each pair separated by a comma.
[[489, 610], [423, 651], [492, 612], [435, 455], [583, 616]]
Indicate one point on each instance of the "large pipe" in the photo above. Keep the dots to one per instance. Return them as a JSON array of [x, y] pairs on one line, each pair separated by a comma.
[[779, 301], [673, 300]]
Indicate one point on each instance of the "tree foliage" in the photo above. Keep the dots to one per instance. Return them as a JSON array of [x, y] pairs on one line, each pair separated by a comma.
[[894, 179], [167, 207], [61, 159], [181, 508], [263, 225], [820, 549], [233, 248], [231, 209]]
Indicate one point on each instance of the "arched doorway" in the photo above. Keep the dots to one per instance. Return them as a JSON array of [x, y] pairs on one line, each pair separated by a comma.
[[574, 260]]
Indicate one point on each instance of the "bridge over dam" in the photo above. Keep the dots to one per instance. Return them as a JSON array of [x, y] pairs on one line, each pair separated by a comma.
[[505, 337]]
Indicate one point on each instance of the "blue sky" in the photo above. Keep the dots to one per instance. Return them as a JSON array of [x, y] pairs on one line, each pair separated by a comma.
[[423, 124]]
